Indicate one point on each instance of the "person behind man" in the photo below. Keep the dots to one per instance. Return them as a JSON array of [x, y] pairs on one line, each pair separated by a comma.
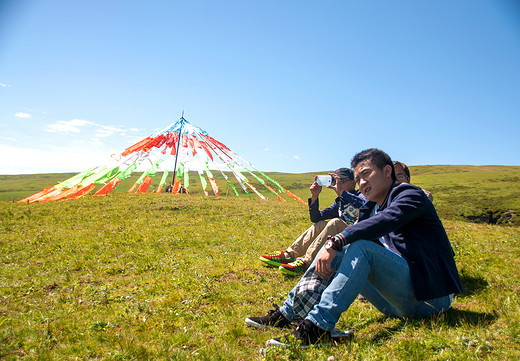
[[402, 175], [414, 275], [342, 213]]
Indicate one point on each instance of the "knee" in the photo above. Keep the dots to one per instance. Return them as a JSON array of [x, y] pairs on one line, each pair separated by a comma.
[[336, 222], [360, 245], [320, 224]]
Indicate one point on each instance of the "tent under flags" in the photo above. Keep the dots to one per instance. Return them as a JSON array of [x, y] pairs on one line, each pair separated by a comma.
[[174, 150]]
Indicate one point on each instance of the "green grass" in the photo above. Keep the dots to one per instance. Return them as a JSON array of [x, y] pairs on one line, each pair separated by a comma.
[[156, 276]]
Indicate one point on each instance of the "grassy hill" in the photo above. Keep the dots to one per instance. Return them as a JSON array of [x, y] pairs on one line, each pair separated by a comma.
[[156, 276], [483, 193]]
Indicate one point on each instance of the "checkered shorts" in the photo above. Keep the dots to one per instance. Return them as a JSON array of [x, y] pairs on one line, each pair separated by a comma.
[[308, 293]]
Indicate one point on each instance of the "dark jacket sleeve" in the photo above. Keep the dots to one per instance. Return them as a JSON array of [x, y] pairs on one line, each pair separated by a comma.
[[405, 204], [328, 213]]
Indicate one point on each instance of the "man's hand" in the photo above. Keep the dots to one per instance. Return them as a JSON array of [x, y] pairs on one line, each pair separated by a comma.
[[324, 262], [337, 186], [315, 190]]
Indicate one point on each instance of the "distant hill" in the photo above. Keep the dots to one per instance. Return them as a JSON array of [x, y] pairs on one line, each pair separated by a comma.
[[489, 194]]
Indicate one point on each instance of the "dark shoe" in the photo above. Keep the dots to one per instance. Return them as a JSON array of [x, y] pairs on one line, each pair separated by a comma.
[[339, 335], [274, 318], [306, 334]]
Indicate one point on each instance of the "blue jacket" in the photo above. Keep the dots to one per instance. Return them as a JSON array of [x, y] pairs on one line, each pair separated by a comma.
[[411, 227], [344, 207]]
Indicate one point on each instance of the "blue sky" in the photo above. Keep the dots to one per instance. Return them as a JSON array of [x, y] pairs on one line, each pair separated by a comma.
[[291, 86]]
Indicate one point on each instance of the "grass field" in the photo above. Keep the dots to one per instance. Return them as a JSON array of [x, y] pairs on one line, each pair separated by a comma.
[[156, 276]]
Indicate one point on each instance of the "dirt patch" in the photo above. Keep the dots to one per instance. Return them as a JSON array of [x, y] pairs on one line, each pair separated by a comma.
[[508, 217]]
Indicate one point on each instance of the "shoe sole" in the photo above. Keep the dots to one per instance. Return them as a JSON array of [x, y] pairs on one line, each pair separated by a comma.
[[290, 273], [269, 262], [276, 343], [250, 322], [336, 335]]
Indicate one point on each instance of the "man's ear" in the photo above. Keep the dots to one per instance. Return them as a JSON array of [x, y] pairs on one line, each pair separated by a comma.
[[387, 171]]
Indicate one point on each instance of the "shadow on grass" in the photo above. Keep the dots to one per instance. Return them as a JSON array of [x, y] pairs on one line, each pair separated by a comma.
[[451, 318], [472, 284], [455, 317]]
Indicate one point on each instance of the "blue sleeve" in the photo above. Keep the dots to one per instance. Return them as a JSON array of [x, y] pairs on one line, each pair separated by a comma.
[[328, 213]]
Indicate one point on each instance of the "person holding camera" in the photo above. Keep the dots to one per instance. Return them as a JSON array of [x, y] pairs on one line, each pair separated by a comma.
[[342, 213]]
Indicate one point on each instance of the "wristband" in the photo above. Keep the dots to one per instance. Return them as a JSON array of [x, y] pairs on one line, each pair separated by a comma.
[[334, 243]]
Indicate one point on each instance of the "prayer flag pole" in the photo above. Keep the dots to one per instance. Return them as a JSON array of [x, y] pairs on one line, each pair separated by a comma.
[[178, 149]]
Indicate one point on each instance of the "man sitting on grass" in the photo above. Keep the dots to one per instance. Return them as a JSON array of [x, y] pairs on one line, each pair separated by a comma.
[[414, 275], [342, 213]]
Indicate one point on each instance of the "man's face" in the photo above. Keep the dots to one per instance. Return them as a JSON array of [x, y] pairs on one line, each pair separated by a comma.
[[347, 184], [400, 174], [372, 181]]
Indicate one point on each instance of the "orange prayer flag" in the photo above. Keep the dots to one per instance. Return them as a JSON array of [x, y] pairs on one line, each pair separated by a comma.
[[107, 188], [176, 186], [214, 186], [137, 146], [82, 191], [132, 188], [35, 196], [144, 185], [293, 196], [63, 194]]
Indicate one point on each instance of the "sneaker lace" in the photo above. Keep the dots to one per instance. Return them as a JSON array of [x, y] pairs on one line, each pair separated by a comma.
[[299, 262], [276, 308], [279, 254]]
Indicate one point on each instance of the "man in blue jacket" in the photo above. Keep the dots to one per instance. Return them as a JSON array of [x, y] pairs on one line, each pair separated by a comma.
[[342, 213], [397, 255]]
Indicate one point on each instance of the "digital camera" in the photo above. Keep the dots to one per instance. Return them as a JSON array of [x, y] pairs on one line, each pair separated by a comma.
[[325, 180]]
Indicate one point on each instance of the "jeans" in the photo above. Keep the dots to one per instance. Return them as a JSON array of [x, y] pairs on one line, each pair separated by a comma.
[[381, 276]]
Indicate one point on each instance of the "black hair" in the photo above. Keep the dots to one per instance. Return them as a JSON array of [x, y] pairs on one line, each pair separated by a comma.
[[376, 156], [404, 166]]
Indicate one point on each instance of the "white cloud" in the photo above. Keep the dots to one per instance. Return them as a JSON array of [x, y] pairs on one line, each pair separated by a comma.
[[22, 115], [37, 111], [102, 133], [77, 125], [59, 160], [296, 157], [65, 127], [267, 149], [4, 85], [106, 131]]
